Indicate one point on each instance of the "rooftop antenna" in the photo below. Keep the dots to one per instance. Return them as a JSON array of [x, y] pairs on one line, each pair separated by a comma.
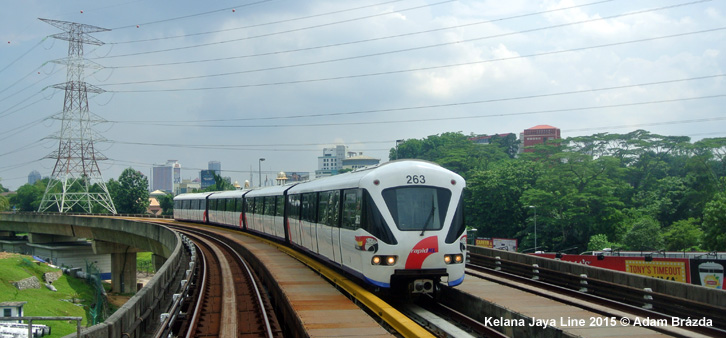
[[76, 178]]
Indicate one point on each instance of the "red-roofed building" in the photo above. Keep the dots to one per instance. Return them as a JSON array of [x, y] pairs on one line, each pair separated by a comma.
[[538, 135]]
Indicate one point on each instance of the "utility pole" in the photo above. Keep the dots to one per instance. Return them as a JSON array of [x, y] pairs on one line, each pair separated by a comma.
[[76, 177]]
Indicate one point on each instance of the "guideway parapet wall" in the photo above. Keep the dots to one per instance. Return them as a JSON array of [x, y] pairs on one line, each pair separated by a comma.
[[137, 234]]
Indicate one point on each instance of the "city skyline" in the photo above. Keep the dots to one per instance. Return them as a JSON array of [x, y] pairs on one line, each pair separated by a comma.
[[235, 82]]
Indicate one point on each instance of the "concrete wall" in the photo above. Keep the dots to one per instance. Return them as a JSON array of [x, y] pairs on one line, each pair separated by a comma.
[[138, 234], [677, 289]]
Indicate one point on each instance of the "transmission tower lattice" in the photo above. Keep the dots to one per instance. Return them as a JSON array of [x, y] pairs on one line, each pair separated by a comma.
[[76, 178]]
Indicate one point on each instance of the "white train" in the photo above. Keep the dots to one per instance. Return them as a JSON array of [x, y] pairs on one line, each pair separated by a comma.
[[397, 225]]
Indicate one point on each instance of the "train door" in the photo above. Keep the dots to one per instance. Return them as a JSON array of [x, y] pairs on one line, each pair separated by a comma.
[[309, 217], [334, 223], [350, 222], [280, 219], [324, 230]]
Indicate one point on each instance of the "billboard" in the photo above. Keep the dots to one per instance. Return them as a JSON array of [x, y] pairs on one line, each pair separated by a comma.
[[673, 269], [708, 272], [207, 178], [506, 244]]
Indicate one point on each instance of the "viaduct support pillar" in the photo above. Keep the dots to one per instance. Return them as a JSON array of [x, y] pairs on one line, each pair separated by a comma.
[[123, 272], [123, 265]]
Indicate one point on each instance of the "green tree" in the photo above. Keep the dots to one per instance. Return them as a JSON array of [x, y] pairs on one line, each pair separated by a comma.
[[28, 196], [4, 203], [220, 184], [131, 193], [683, 235], [166, 202], [714, 223], [576, 197], [492, 198], [644, 235], [599, 242]]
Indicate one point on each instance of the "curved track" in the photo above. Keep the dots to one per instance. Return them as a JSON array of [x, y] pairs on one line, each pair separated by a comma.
[[227, 299]]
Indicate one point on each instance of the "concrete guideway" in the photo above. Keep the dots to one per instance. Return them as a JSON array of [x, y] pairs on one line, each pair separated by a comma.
[[120, 238], [321, 310], [146, 305]]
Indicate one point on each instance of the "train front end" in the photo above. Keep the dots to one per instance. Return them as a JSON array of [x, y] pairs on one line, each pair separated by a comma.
[[420, 205]]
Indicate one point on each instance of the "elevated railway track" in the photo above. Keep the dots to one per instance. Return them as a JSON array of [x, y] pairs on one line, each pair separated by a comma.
[[291, 289]]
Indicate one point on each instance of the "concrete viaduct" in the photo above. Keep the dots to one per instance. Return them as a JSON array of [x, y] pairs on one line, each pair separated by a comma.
[[120, 238]]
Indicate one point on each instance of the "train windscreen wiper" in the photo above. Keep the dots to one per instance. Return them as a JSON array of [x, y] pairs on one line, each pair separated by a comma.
[[431, 216]]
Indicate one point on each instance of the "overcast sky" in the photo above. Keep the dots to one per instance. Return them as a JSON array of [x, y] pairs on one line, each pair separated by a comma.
[[236, 81]]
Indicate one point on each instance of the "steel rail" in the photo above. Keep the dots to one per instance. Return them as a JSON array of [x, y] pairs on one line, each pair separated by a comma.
[[266, 318]]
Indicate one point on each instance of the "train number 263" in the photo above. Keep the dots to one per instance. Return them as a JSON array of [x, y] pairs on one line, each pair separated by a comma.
[[415, 179]]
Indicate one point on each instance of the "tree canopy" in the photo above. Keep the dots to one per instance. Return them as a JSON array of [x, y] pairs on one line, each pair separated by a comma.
[[639, 190], [130, 193]]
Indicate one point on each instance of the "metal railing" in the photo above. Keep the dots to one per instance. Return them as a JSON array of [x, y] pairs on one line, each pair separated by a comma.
[[31, 319]]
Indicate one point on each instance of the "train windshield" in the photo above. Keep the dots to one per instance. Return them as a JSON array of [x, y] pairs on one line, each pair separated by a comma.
[[418, 208]]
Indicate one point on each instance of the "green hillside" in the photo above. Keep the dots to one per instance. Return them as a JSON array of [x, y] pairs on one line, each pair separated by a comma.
[[73, 297]]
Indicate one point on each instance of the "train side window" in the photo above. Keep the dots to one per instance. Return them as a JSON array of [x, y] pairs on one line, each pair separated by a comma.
[[334, 208], [279, 205], [270, 205], [231, 204], [293, 206], [351, 209], [457, 224], [323, 200], [239, 204], [250, 207], [202, 205], [193, 204], [212, 204], [309, 207]]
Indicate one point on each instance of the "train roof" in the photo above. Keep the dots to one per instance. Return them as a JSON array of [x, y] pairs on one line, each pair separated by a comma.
[[270, 191], [229, 194], [193, 196], [352, 179]]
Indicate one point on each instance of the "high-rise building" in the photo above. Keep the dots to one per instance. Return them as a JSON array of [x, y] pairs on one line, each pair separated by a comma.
[[33, 177], [358, 160], [541, 134], [331, 162], [335, 159], [215, 166], [166, 177]]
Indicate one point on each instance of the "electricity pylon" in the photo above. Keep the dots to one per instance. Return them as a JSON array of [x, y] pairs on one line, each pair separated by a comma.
[[76, 178]]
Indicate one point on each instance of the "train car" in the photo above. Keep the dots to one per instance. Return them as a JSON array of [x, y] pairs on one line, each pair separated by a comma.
[[395, 226], [191, 207], [225, 208], [265, 211], [399, 224]]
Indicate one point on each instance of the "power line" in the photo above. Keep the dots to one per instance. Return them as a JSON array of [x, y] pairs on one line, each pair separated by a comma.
[[365, 40], [192, 15], [414, 69], [273, 34], [403, 50], [643, 84], [298, 125], [257, 25]]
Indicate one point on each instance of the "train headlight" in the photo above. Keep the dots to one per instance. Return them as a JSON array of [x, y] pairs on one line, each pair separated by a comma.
[[384, 260], [454, 259]]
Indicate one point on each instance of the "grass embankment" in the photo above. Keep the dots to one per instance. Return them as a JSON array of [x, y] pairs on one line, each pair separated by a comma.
[[72, 299]]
